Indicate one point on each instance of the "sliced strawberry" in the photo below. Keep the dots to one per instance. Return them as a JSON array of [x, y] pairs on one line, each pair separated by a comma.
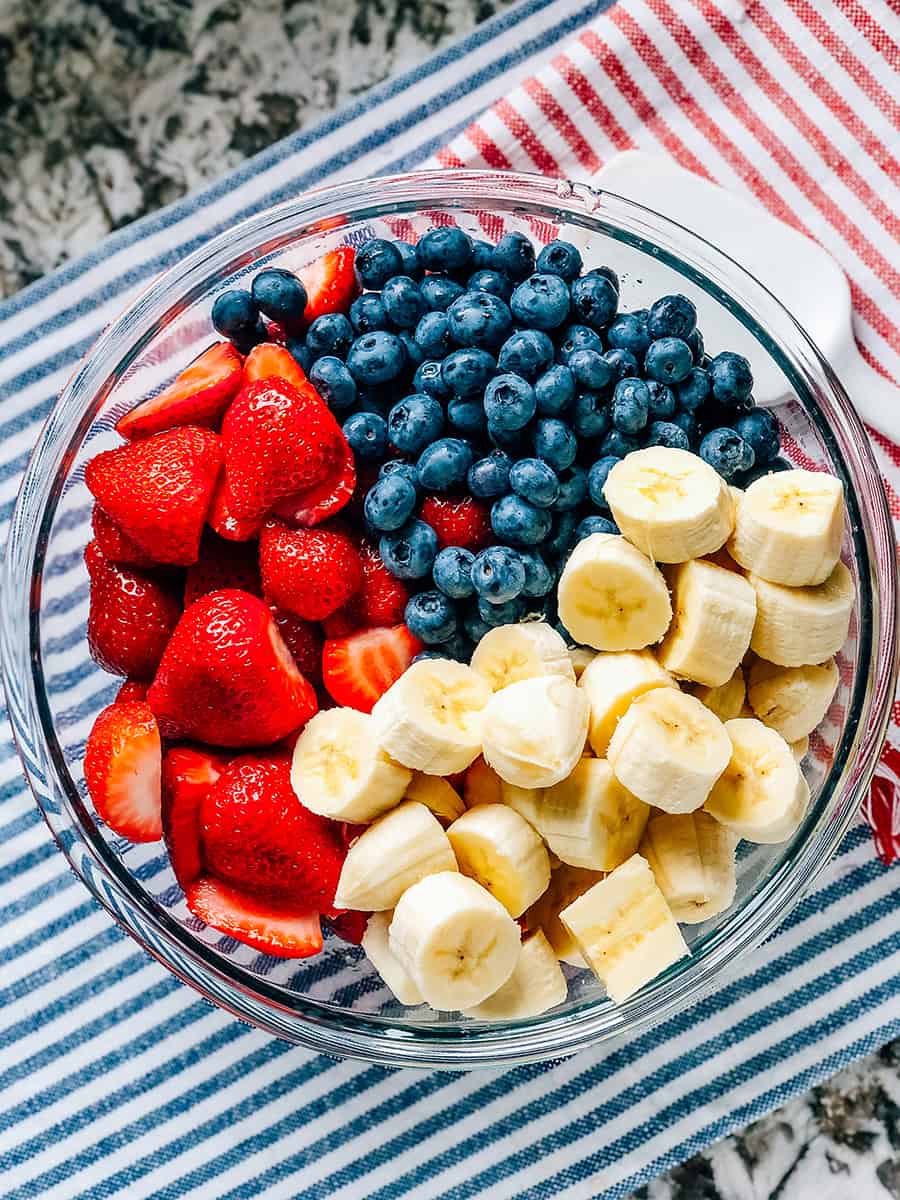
[[222, 564], [324, 499], [359, 669], [224, 522], [269, 361], [458, 521], [331, 283], [349, 925], [272, 928], [308, 572], [188, 772], [116, 545], [132, 689], [199, 396], [382, 598], [122, 764], [304, 640]]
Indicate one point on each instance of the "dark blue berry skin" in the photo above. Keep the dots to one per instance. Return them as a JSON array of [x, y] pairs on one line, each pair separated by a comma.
[[414, 355], [396, 466], [409, 257], [560, 258], [668, 360], [507, 613], [466, 417], [279, 294], [433, 335], [593, 524], [731, 378], [688, 422], [474, 626], [664, 433], [509, 403], [663, 402], [726, 452], [377, 357], [695, 341], [488, 478], [410, 552], [515, 442], [498, 574], [376, 261], [770, 468], [444, 464], [439, 292], [334, 383], [760, 429], [516, 521], [415, 422], [235, 314], [425, 655], [597, 477], [245, 342], [590, 415], [367, 313], [514, 256], [562, 538], [671, 316], [539, 579], [490, 281], [297, 349], [617, 444], [693, 390], [446, 248], [431, 617], [622, 363], [628, 332], [630, 405], [452, 572], [367, 435], [554, 391], [466, 372], [607, 273], [389, 503], [482, 255], [373, 400], [541, 302], [527, 353], [458, 646], [573, 489], [330, 334], [555, 443], [479, 319], [594, 301], [535, 481], [591, 370], [402, 301], [429, 378], [578, 337]]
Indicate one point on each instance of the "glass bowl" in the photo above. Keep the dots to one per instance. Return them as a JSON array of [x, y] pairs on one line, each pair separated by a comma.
[[334, 1003]]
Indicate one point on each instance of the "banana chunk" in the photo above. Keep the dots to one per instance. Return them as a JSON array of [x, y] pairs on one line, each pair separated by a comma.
[[611, 596], [789, 526], [590, 820], [762, 795], [395, 852], [669, 750], [482, 785], [436, 794], [727, 700], [796, 626], [456, 942], [715, 611], [431, 718], [510, 653], [536, 985], [692, 859], [340, 771], [534, 731], [625, 929], [611, 682], [499, 849], [792, 700], [377, 950], [566, 884], [525, 801], [670, 504]]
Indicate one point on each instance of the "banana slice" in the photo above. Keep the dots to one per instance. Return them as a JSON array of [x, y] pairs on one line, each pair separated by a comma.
[[498, 848], [715, 611], [340, 771], [670, 504], [800, 748], [395, 852], [692, 859], [590, 820], [536, 985], [534, 730], [431, 718], [377, 950], [788, 527], [525, 801], [625, 929], [525, 650], [439, 796], [611, 682], [456, 942], [566, 884], [762, 795], [611, 596], [581, 658], [796, 626], [482, 785], [669, 750], [792, 700], [727, 700]]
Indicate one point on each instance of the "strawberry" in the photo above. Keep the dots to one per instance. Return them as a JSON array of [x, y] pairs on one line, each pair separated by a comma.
[[380, 601], [256, 835], [326, 498], [349, 925], [199, 396], [360, 668], [224, 522], [265, 925], [158, 490], [188, 772], [116, 546], [131, 616], [277, 332], [458, 522], [122, 770], [309, 572], [304, 640], [222, 564], [331, 283], [132, 689], [227, 678], [278, 440], [268, 361]]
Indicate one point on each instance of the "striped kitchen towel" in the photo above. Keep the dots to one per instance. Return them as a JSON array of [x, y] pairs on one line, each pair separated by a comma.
[[115, 1079]]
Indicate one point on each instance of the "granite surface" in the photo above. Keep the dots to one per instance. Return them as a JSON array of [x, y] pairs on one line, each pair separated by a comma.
[[111, 108]]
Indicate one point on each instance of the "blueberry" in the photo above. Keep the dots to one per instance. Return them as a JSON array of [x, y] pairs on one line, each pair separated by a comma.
[[539, 579], [514, 441], [560, 258], [607, 273], [439, 292], [376, 261], [594, 300], [618, 444], [688, 422], [509, 403], [622, 362], [474, 626], [590, 369], [466, 416], [527, 353], [726, 452], [590, 415], [662, 399], [630, 405], [555, 443], [425, 655], [409, 257], [594, 524], [490, 281], [668, 359], [597, 477], [389, 503], [554, 391], [402, 301], [695, 341], [430, 617], [397, 466], [665, 433], [573, 489], [414, 355], [498, 574], [731, 378], [693, 390], [377, 357], [452, 572], [535, 481], [509, 612], [514, 256], [562, 536], [757, 472], [429, 378], [466, 372], [367, 435], [515, 520], [482, 254], [446, 248], [296, 347], [541, 302], [443, 465], [671, 316], [628, 332], [334, 383], [234, 314], [578, 337], [489, 476], [367, 313], [410, 552], [279, 294], [458, 646], [244, 342], [479, 319], [330, 334], [415, 422], [373, 400], [760, 429]]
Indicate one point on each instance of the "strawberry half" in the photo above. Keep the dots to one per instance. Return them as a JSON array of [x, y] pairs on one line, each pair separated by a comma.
[[222, 564], [122, 763], [326, 498], [116, 545], [223, 521], [349, 925], [269, 361], [304, 640], [331, 283], [265, 925], [132, 689], [458, 522], [357, 670], [188, 773], [380, 601], [308, 572], [199, 396]]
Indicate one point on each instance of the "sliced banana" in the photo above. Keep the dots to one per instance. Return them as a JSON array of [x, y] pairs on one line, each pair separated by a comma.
[[534, 730], [670, 504], [524, 650], [727, 700], [525, 801], [376, 947], [395, 852], [482, 785], [611, 596], [625, 929], [436, 794], [796, 626], [611, 682], [789, 526], [566, 884], [536, 985], [692, 859], [498, 848], [793, 700], [669, 750], [581, 658], [762, 795], [590, 820], [431, 718], [457, 943], [800, 748], [714, 614]]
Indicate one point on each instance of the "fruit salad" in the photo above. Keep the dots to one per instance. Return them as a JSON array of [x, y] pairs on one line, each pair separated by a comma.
[[464, 614]]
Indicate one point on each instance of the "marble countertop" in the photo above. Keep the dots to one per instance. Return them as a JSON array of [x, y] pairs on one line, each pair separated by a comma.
[[111, 108]]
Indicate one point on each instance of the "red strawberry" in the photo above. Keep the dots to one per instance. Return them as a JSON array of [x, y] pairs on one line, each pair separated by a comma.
[[309, 572], [199, 396], [349, 925], [257, 835], [277, 332], [132, 689], [324, 499], [122, 770], [224, 522], [304, 640], [227, 678], [382, 599], [331, 283], [130, 619], [268, 361], [158, 490], [222, 564], [458, 522], [278, 440], [116, 546], [359, 669], [271, 928], [188, 773]]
